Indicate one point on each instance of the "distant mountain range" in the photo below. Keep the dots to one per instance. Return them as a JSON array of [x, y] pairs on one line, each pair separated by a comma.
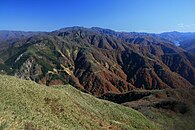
[[7, 38], [98, 60], [177, 38]]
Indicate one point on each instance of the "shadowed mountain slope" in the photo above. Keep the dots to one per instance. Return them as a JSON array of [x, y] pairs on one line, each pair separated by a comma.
[[100, 60], [188, 45], [173, 109]]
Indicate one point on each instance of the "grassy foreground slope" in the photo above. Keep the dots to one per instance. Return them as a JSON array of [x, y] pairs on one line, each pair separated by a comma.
[[25, 104]]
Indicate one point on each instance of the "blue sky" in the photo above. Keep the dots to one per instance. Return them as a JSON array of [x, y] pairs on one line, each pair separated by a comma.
[[121, 15]]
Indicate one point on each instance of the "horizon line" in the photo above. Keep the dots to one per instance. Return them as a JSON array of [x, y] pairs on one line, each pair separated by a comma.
[[115, 30]]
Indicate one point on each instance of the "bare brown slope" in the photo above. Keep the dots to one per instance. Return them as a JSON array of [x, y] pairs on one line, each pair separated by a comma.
[[94, 62]]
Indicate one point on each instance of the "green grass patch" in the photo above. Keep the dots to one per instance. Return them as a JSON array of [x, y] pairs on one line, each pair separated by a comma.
[[25, 104]]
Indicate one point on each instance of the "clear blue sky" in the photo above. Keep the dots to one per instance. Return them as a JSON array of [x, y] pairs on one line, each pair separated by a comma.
[[122, 15]]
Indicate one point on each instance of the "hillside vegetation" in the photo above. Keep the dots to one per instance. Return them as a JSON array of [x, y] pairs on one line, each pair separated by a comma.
[[25, 104], [99, 61], [173, 109]]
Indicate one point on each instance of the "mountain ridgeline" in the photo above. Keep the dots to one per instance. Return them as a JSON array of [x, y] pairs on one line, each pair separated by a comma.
[[99, 61]]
